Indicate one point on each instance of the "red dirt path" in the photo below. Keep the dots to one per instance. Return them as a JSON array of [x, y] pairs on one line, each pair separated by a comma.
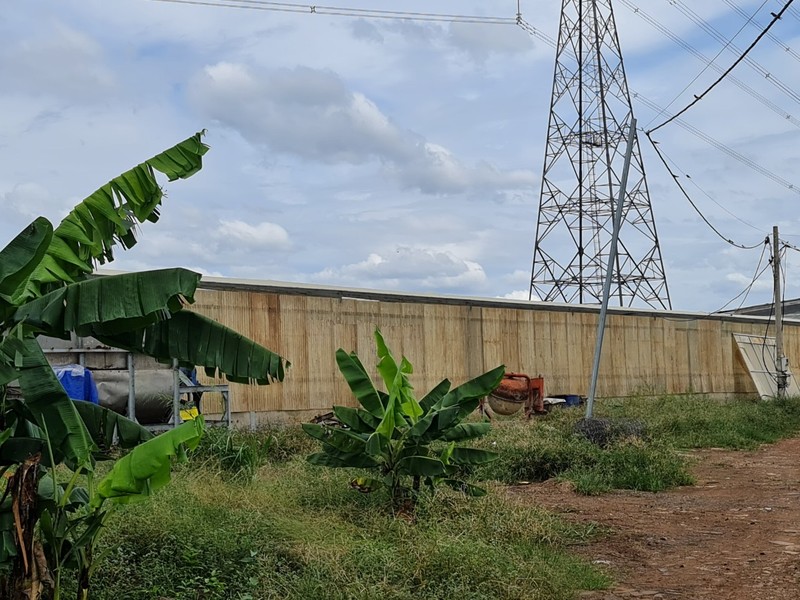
[[735, 535]]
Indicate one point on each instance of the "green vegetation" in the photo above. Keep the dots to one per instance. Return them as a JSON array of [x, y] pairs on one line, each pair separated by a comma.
[[697, 422], [548, 447], [398, 437], [299, 532], [296, 531], [54, 505]]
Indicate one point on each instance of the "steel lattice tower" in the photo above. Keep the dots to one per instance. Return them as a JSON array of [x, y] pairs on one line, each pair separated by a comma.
[[590, 112]]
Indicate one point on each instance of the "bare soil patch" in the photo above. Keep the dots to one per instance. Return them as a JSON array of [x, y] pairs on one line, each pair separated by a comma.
[[735, 535]]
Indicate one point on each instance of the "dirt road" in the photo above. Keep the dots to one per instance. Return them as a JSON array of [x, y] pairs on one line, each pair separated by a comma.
[[735, 535]]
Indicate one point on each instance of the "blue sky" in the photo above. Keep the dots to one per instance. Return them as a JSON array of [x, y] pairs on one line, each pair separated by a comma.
[[381, 154]]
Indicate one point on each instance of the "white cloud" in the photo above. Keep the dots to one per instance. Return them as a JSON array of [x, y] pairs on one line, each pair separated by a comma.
[[480, 41], [57, 60], [517, 295], [763, 283], [311, 114], [261, 235], [409, 268]]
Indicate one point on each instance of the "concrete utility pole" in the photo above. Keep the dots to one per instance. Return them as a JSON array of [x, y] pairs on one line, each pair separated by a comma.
[[780, 359], [612, 257]]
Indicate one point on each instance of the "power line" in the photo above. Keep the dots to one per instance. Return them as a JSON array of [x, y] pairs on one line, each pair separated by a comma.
[[526, 26], [713, 60], [742, 57], [751, 21], [707, 61], [751, 164], [677, 181], [291, 7], [706, 194], [717, 35], [756, 276]]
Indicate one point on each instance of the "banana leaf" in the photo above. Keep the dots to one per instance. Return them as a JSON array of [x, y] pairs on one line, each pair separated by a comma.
[[342, 440], [107, 428], [109, 305], [360, 383], [21, 256], [435, 395], [421, 466], [476, 388], [472, 456], [54, 412], [195, 340], [109, 216], [146, 468], [396, 379], [356, 419], [466, 431]]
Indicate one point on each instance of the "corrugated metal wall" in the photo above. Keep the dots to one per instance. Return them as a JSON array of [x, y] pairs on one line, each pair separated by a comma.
[[645, 352]]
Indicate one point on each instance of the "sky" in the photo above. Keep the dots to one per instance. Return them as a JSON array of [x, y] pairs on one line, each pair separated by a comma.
[[386, 154]]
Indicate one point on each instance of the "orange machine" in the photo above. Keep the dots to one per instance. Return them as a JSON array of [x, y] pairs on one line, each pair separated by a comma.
[[517, 390]]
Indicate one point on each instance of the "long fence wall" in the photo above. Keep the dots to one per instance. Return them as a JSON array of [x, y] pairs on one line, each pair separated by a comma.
[[645, 352]]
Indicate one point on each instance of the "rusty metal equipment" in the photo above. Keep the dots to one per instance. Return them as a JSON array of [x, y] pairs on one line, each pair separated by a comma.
[[516, 391]]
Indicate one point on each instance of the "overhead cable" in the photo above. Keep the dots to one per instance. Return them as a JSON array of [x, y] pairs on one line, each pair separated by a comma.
[[775, 19], [712, 61], [677, 169], [756, 276], [525, 25], [721, 38], [707, 61], [751, 21], [293, 7], [677, 181]]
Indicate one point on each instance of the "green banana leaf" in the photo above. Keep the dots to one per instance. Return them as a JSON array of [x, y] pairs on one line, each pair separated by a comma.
[[421, 466], [345, 441], [17, 450], [356, 419], [107, 428], [46, 399], [466, 431], [435, 395], [360, 383], [476, 388], [21, 256], [109, 215], [195, 340], [146, 468], [110, 304], [396, 380]]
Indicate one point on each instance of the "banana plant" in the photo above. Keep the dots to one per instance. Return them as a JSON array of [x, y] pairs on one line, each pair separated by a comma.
[[399, 438], [50, 518]]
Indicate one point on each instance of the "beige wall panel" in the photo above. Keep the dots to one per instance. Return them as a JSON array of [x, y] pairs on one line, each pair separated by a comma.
[[543, 349], [295, 333], [345, 337], [642, 353], [560, 382], [530, 361], [476, 363], [320, 353], [576, 365], [641, 377]]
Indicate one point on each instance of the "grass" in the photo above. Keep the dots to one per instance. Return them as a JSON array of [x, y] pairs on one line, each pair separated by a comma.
[[248, 519], [548, 447], [698, 422], [301, 532]]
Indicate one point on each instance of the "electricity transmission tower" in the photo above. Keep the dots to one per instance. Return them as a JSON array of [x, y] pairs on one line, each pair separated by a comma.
[[590, 114]]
